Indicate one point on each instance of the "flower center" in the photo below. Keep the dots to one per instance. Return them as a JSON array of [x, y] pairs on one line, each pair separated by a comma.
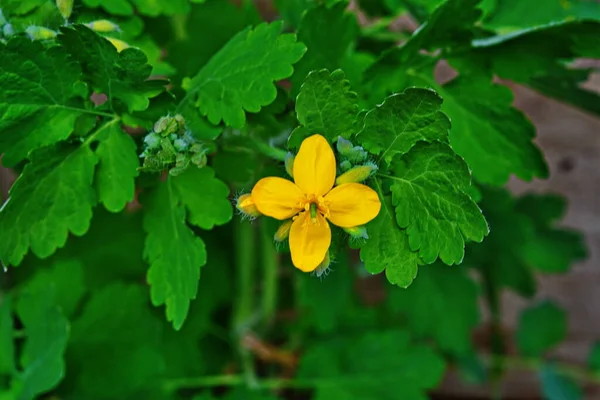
[[314, 205]]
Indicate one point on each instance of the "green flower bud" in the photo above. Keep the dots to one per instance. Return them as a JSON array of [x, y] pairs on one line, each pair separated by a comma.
[[357, 232], [65, 7], [283, 231], [357, 174], [103, 26], [152, 140], [246, 206], [345, 165], [343, 146], [352, 153], [182, 161], [119, 44], [180, 144], [289, 164], [323, 268], [199, 160], [40, 33], [8, 30], [166, 126], [180, 122]]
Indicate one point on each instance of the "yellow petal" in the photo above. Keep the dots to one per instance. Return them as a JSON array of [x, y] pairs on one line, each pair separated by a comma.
[[314, 166], [352, 204], [309, 241], [277, 197]]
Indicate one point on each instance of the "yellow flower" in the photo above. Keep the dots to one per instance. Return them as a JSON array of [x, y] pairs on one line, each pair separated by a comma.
[[311, 200]]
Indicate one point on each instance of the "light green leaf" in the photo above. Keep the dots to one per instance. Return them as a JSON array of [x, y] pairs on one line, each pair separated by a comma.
[[377, 365], [175, 254], [326, 106], [204, 196], [52, 198], [541, 327], [240, 76], [119, 332], [38, 97], [7, 350], [328, 33], [428, 192], [117, 169], [387, 247], [557, 386], [401, 121], [440, 304], [46, 329], [122, 77]]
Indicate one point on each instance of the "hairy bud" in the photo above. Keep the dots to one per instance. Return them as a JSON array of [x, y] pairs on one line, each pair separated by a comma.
[[40, 33], [65, 7], [103, 26], [351, 152], [289, 164], [119, 44], [345, 165], [247, 207], [357, 174], [323, 268], [357, 232], [283, 231]]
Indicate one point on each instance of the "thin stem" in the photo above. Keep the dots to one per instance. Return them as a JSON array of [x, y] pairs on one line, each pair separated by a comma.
[[268, 150], [492, 298], [95, 135], [244, 304], [270, 263], [234, 380]]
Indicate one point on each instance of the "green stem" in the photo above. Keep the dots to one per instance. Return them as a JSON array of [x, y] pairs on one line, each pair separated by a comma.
[[269, 151], [270, 263], [95, 135], [492, 298], [178, 23], [244, 304]]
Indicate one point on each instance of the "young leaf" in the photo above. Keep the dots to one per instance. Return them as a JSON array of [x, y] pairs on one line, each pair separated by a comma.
[[175, 254], [428, 192], [442, 304], [117, 168], [240, 76], [204, 196], [39, 94], [401, 121], [118, 331], [7, 349], [52, 198], [122, 77], [328, 33], [541, 327], [46, 329], [387, 247], [376, 365], [326, 106]]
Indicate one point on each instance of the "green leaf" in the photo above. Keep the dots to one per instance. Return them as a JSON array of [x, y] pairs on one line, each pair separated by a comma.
[[52, 198], [395, 126], [240, 76], [204, 196], [118, 331], [39, 97], [46, 329], [428, 192], [7, 350], [375, 365], [593, 360], [326, 106], [66, 276], [151, 8], [440, 304], [117, 169], [175, 254], [328, 33], [387, 247], [541, 327], [122, 77], [557, 386]]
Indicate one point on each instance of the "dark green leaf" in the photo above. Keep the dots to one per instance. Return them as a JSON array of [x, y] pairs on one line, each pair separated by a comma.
[[593, 360], [326, 106], [428, 193], [541, 327], [240, 76], [7, 350], [150, 8], [401, 121]]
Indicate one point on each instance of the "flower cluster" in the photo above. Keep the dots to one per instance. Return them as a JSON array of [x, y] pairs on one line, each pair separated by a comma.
[[170, 146], [315, 199]]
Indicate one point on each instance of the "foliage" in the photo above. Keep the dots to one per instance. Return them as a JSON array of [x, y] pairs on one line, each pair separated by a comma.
[[133, 127]]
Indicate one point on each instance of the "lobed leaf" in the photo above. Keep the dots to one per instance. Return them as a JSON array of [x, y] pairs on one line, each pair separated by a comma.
[[541, 327]]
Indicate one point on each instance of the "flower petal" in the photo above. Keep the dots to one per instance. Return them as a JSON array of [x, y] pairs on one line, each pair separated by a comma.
[[277, 197], [352, 204], [314, 166], [309, 241]]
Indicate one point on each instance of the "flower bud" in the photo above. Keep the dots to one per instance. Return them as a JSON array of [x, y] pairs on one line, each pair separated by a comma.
[[247, 207], [65, 7], [345, 165], [357, 174], [40, 33], [152, 140], [343, 145], [199, 159], [351, 152], [357, 232], [180, 144], [166, 126], [289, 164], [283, 231], [103, 26], [8, 30], [323, 268], [119, 44]]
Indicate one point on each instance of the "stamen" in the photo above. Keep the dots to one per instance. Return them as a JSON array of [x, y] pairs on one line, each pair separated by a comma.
[[313, 212]]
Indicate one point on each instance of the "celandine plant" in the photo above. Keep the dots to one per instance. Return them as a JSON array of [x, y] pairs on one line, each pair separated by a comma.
[[370, 213]]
